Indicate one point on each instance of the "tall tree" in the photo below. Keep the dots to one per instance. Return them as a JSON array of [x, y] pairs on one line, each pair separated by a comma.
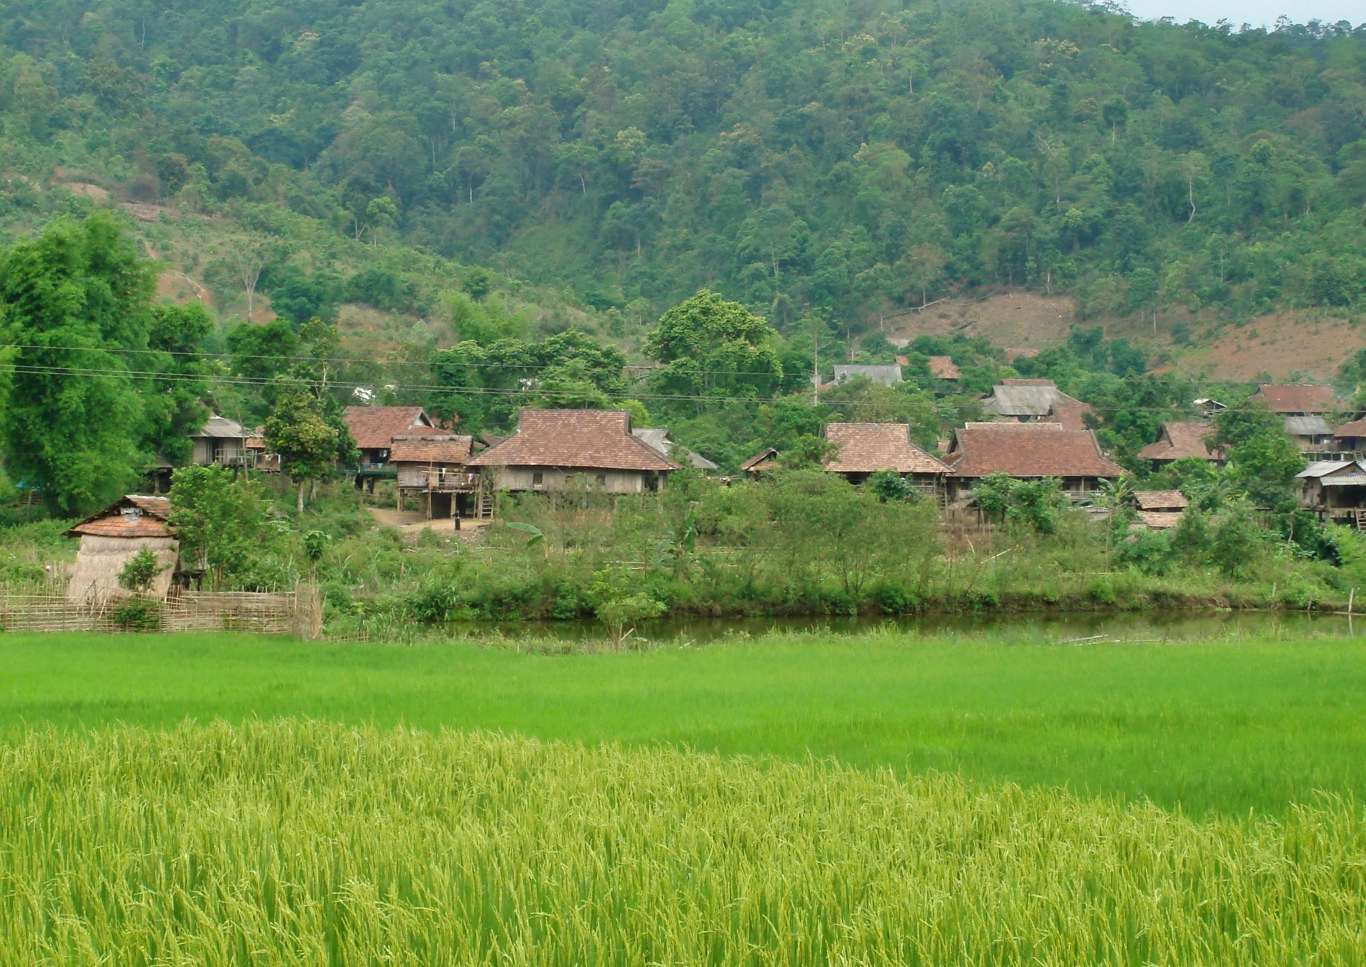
[[709, 347]]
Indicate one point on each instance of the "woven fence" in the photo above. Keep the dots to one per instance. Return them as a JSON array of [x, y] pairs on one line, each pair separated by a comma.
[[297, 613]]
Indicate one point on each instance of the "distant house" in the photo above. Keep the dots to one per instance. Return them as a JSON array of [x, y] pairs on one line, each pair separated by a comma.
[[886, 375], [1350, 438], [657, 439], [558, 449], [1335, 490], [258, 454], [434, 467], [111, 538], [1208, 408], [762, 462], [1036, 401], [1160, 509], [863, 449], [373, 429], [943, 368], [1303, 408], [1029, 451], [219, 442], [1181, 441]]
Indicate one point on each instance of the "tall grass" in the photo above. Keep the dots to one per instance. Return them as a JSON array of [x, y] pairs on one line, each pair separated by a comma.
[[300, 842]]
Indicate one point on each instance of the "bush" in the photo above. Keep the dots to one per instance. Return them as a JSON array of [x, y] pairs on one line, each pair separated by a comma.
[[138, 614]]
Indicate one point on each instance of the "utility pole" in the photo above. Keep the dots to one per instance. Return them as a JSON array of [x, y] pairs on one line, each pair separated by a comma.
[[816, 365]]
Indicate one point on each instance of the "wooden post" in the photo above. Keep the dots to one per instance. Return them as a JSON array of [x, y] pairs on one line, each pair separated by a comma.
[[1351, 600]]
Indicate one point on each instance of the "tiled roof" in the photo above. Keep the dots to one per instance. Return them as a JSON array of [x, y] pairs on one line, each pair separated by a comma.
[[1357, 428], [1180, 441], [942, 367], [1028, 450], [1296, 398], [431, 448], [870, 447], [657, 439], [131, 516], [887, 375], [221, 428], [761, 457], [1160, 520], [594, 439], [374, 427], [1160, 500]]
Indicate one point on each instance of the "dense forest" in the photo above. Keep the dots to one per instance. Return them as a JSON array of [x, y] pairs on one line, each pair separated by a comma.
[[810, 158]]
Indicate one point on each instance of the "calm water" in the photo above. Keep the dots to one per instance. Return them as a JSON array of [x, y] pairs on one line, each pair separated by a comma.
[[1070, 627]]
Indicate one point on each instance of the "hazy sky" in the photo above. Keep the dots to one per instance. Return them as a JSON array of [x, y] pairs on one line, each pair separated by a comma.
[[1256, 12]]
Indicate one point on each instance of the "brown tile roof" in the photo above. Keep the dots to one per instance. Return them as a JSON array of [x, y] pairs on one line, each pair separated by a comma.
[[1159, 520], [374, 427], [942, 367], [1296, 398], [1028, 450], [1180, 441], [870, 447], [431, 448], [595, 439], [757, 462], [1357, 428], [1160, 500], [130, 516]]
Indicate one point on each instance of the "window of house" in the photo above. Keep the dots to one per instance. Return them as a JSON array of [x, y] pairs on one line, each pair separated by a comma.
[[537, 479]]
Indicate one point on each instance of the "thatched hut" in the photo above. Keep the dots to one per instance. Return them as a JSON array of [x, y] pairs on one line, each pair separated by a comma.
[[111, 538]]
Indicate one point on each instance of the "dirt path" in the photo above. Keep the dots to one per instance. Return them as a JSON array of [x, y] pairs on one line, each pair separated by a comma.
[[414, 523]]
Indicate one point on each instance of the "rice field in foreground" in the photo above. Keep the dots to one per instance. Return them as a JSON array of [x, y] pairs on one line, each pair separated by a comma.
[[303, 842]]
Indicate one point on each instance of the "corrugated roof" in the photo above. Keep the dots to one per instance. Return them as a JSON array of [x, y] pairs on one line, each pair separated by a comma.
[[134, 515], [374, 427], [593, 439], [1028, 450], [1160, 500], [1296, 397], [221, 428], [1321, 468], [1307, 426], [431, 448], [943, 367], [657, 439], [1180, 441], [871, 447], [886, 375]]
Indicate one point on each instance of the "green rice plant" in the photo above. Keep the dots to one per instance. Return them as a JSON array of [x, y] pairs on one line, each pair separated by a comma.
[[300, 842]]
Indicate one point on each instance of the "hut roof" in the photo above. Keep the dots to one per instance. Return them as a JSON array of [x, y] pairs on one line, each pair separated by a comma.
[[886, 375], [870, 447], [1313, 425], [1159, 520], [1296, 397], [431, 448], [131, 516], [1357, 428], [1160, 500], [1036, 398], [593, 439], [374, 427], [657, 439], [943, 367], [1028, 450], [753, 463], [1180, 441], [221, 428], [1336, 473]]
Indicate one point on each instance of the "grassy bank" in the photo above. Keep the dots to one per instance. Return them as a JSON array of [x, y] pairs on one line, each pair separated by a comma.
[[289, 842], [1214, 727]]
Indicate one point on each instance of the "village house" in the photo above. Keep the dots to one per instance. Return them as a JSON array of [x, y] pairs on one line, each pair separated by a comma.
[[657, 439], [561, 449], [111, 538], [763, 462], [1350, 439], [1160, 509], [434, 468], [944, 369], [1028, 451], [1304, 409], [1336, 491], [863, 449], [886, 375], [373, 429], [1036, 401], [219, 442], [1180, 441], [258, 454]]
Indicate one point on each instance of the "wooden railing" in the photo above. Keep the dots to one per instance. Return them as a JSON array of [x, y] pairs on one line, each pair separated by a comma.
[[436, 481]]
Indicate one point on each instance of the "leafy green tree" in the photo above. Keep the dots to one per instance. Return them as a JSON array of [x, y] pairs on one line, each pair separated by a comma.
[[300, 433], [1262, 460], [709, 347], [219, 519]]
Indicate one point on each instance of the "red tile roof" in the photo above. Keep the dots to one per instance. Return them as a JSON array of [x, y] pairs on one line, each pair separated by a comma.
[[131, 516], [1357, 428], [1028, 450], [1180, 441], [431, 448], [1296, 398], [942, 367], [593, 439], [1160, 520], [1160, 500], [870, 447], [374, 427]]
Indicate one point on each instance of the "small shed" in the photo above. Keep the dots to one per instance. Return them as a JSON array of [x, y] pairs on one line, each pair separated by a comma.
[[111, 538], [1335, 490], [1160, 509], [219, 442], [765, 461]]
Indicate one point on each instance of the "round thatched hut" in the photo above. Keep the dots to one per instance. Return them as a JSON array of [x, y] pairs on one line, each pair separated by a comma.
[[111, 538]]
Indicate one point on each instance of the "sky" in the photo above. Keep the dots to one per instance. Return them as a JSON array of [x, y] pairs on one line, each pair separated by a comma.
[[1258, 13]]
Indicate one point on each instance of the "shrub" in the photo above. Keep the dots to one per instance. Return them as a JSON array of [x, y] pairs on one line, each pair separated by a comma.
[[138, 614], [139, 571]]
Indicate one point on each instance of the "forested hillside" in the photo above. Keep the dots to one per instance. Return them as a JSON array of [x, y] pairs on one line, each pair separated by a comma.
[[808, 157]]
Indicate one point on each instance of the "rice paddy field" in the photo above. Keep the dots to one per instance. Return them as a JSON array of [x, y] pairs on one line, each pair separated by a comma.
[[880, 798]]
